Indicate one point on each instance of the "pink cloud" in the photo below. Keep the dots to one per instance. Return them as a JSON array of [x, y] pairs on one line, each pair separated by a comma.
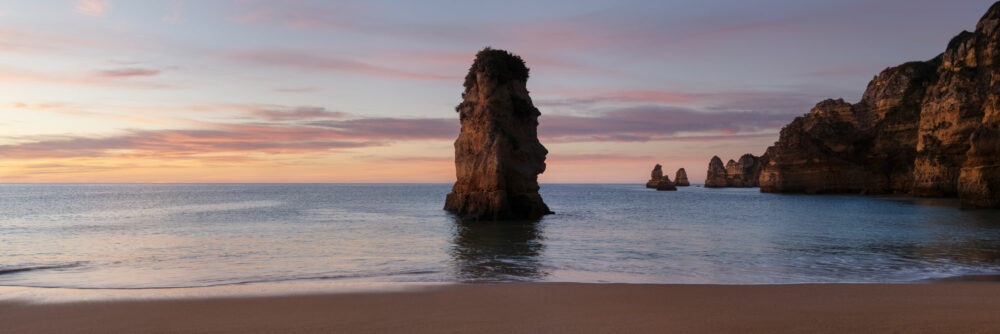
[[296, 114], [93, 7], [95, 79]]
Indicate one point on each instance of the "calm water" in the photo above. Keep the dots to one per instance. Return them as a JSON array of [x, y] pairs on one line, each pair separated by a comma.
[[180, 235]]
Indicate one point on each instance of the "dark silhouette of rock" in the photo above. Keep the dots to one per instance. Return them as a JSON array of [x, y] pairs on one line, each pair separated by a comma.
[[497, 154], [927, 128], [665, 184], [736, 174], [655, 176], [681, 178]]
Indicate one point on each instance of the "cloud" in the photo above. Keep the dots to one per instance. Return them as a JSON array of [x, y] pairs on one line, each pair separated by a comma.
[[653, 123], [69, 79], [93, 7], [313, 62], [279, 114], [181, 143], [128, 72], [281, 130], [395, 128]]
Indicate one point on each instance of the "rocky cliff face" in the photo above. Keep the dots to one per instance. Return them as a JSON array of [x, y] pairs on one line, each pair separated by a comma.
[[926, 128], [655, 176], [497, 154], [681, 178], [736, 174], [979, 179]]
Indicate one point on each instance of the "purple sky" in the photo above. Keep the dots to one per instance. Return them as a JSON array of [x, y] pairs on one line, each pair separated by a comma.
[[322, 91]]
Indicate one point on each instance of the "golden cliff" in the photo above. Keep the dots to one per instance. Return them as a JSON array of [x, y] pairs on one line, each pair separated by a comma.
[[924, 128], [497, 154]]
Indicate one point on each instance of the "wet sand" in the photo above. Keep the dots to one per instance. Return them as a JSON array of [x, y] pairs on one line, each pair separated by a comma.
[[541, 308]]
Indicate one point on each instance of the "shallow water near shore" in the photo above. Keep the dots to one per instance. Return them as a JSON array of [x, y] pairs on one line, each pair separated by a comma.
[[126, 236]]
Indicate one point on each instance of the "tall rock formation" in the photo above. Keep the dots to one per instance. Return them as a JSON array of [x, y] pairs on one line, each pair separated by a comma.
[[681, 178], [665, 184], [927, 128], [717, 176], [497, 154], [736, 174], [655, 176]]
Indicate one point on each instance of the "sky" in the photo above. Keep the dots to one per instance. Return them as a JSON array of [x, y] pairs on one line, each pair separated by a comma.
[[364, 91]]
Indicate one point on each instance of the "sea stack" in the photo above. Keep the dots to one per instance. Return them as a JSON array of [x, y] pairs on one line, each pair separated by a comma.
[[681, 179], [927, 128], [744, 173], [497, 154], [655, 176], [665, 184], [716, 177]]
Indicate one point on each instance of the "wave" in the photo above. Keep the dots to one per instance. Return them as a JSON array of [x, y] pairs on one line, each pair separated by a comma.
[[229, 283], [4, 270]]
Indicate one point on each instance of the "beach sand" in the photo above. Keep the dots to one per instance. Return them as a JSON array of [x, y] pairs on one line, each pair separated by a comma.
[[541, 308]]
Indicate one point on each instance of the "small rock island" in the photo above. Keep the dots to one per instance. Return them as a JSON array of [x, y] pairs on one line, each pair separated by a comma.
[[659, 181], [655, 176], [497, 154], [681, 179]]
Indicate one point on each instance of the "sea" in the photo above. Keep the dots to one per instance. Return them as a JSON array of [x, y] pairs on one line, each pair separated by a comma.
[[140, 236]]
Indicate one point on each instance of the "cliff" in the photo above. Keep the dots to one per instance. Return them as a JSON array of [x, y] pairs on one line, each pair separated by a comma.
[[655, 176], [744, 173], [979, 178], [497, 154], [681, 178], [926, 128]]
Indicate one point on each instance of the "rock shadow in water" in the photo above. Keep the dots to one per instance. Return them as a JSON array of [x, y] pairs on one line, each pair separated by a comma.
[[498, 251]]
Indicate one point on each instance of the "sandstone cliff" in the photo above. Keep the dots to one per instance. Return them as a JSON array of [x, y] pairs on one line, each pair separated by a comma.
[[497, 154], [681, 178], [927, 128], [744, 173], [979, 179], [655, 176]]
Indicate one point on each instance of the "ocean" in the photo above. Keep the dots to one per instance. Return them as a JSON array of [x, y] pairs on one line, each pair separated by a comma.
[[134, 236]]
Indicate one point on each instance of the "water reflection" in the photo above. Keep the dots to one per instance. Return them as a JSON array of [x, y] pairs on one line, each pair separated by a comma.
[[498, 251]]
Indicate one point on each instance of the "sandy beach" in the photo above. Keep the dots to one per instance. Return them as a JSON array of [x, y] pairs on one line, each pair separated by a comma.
[[542, 308]]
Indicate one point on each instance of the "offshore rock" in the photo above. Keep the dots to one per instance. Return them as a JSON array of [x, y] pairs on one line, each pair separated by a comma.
[[655, 176], [497, 154], [927, 128], [744, 173], [665, 184], [681, 178], [717, 176]]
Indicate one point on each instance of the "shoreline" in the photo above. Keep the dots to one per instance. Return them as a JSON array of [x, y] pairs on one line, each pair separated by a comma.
[[539, 307], [50, 294]]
